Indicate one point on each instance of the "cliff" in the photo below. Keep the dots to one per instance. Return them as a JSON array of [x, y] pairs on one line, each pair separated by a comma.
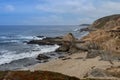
[[106, 36], [107, 22]]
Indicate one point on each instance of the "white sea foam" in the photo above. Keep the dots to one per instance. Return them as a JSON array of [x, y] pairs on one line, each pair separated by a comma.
[[21, 37], [3, 37], [18, 38], [9, 56], [10, 41], [78, 29], [30, 37]]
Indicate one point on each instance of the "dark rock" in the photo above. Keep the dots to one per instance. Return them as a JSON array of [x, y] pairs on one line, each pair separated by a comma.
[[43, 61], [61, 56], [84, 24], [106, 56], [42, 57], [93, 53], [54, 40], [63, 48], [82, 48], [52, 54], [73, 48], [40, 36], [51, 38], [79, 58], [91, 45], [87, 29], [68, 47], [114, 71], [98, 73], [66, 42], [45, 42]]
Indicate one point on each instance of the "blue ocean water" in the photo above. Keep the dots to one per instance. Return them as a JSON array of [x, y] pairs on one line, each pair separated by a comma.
[[14, 53]]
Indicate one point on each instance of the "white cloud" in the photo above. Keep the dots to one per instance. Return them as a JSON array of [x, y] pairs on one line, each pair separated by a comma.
[[79, 6], [65, 6], [9, 8], [86, 11]]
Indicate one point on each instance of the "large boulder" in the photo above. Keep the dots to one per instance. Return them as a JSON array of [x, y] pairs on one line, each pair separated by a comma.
[[64, 47], [73, 48], [68, 37], [68, 44]]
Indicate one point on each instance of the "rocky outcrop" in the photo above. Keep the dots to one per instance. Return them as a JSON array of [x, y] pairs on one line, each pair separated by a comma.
[[105, 40], [64, 47], [55, 40], [114, 71], [69, 37], [84, 24], [87, 29], [98, 73], [47, 41], [67, 42]]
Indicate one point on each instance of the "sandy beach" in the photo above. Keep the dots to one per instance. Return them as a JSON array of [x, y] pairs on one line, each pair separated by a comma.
[[73, 65]]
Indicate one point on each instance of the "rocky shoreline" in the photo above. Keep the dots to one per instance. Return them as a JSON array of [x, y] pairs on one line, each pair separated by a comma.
[[93, 57], [66, 43], [103, 42]]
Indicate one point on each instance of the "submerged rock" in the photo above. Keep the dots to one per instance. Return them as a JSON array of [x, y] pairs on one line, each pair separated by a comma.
[[42, 57]]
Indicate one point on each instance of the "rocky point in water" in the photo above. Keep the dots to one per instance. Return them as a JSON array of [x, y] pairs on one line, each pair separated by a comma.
[[66, 42]]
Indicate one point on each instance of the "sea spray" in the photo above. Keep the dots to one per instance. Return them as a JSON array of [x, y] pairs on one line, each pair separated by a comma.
[[9, 56]]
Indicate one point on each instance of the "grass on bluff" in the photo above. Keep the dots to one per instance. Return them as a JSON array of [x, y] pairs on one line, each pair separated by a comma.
[[100, 23], [37, 75]]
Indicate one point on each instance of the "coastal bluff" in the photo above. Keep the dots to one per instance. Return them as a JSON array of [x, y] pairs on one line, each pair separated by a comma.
[[106, 37], [96, 55], [106, 22]]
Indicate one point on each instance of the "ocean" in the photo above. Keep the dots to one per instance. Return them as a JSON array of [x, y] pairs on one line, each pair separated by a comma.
[[15, 53]]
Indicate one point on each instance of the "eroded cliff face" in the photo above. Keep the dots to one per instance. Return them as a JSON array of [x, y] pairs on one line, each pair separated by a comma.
[[106, 39], [106, 35]]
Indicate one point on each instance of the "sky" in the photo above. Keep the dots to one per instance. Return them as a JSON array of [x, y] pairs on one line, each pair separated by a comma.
[[55, 12]]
